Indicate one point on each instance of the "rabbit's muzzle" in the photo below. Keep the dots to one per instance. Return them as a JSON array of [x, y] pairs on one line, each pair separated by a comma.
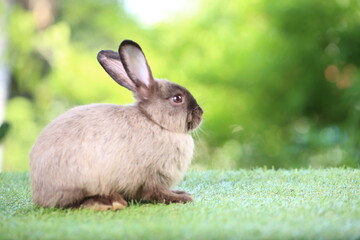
[[194, 118]]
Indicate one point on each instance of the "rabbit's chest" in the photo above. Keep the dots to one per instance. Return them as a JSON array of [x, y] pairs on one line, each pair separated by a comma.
[[173, 158]]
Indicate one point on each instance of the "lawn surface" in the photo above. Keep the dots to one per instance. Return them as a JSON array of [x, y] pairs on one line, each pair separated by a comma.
[[245, 204]]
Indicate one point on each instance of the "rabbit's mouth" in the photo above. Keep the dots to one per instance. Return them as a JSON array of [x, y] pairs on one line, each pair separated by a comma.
[[194, 118], [189, 126]]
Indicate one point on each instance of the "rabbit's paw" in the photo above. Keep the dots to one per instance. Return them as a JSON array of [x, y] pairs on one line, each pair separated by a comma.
[[96, 203], [117, 201], [167, 196], [181, 192], [104, 203]]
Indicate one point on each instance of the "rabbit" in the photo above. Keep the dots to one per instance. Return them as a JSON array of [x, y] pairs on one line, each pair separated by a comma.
[[100, 156]]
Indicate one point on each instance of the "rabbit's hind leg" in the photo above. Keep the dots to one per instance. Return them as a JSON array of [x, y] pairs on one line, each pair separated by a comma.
[[117, 201], [98, 203], [102, 203]]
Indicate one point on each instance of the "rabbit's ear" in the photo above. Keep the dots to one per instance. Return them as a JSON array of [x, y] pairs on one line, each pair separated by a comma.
[[110, 61], [136, 66]]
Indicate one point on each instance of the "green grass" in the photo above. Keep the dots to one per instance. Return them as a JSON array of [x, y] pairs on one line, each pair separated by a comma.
[[245, 204]]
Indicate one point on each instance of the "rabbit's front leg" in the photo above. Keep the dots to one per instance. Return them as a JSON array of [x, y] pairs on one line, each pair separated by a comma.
[[161, 195], [180, 192]]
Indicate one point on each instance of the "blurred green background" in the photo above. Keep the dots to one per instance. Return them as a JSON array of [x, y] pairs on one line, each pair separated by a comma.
[[278, 80]]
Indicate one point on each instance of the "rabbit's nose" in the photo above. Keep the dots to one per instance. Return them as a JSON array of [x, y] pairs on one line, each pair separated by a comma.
[[201, 110], [198, 108]]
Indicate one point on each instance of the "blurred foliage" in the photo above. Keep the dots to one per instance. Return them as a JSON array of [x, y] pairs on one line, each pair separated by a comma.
[[278, 81], [4, 129]]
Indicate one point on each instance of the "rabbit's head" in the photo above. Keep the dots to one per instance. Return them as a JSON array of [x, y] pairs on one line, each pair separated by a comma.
[[167, 104]]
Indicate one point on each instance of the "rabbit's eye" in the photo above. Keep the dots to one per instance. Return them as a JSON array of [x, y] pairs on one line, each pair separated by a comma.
[[178, 98]]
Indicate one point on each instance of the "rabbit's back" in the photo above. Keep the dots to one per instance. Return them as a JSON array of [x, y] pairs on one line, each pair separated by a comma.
[[102, 148]]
